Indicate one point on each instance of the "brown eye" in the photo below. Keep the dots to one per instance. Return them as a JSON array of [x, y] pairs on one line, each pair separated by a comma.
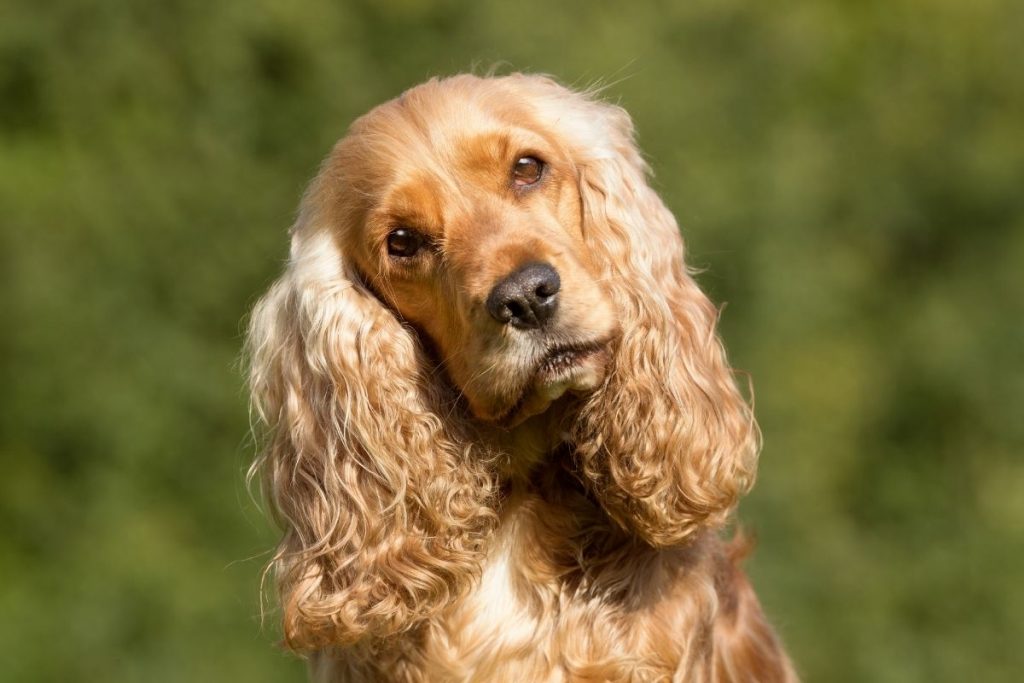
[[404, 243], [527, 171]]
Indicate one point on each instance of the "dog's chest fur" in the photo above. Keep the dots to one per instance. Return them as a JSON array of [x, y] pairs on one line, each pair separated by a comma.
[[545, 611], [563, 597]]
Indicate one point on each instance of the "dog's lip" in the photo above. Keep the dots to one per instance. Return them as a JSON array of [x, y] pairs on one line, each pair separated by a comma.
[[563, 357], [554, 366]]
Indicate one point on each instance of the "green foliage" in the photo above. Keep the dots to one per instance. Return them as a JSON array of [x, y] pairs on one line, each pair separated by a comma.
[[849, 175]]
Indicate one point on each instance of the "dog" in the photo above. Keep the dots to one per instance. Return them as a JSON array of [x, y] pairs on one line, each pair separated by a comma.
[[500, 432]]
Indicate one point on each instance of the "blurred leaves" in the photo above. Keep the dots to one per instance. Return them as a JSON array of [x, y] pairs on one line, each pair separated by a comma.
[[848, 175]]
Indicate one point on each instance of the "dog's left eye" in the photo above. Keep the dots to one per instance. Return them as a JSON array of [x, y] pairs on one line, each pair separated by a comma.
[[527, 171], [404, 243]]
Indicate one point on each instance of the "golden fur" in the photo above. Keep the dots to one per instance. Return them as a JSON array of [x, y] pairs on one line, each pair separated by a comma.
[[450, 511]]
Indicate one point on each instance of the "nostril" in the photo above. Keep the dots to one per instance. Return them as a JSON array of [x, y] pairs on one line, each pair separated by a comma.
[[516, 309], [545, 290]]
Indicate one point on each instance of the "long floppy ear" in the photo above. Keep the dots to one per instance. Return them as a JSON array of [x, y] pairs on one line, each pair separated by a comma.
[[384, 506], [668, 444]]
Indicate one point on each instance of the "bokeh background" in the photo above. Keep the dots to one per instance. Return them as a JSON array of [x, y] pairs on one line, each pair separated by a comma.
[[848, 174]]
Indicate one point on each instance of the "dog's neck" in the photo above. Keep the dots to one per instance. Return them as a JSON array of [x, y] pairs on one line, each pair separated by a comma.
[[530, 444]]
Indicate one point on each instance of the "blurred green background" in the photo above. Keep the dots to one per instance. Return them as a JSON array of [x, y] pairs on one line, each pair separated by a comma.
[[849, 174]]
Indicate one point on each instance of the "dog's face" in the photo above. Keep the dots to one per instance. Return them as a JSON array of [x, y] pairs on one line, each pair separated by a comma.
[[464, 216]]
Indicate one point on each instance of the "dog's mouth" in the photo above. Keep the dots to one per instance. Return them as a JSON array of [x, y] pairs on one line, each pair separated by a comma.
[[565, 368]]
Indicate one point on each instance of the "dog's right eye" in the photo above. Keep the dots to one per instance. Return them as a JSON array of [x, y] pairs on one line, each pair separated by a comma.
[[404, 243]]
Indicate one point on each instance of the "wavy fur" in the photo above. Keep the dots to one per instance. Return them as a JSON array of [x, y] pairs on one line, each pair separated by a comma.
[[385, 508], [668, 443], [422, 541]]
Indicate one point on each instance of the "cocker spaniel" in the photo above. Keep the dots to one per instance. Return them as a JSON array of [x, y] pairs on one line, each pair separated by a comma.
[[501, 432]]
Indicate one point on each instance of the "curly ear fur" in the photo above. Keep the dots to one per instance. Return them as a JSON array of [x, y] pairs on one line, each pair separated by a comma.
[[384, 506], [668, 444]]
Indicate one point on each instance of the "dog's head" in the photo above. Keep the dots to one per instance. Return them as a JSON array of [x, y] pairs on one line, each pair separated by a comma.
[[468, 254], [459, 207]]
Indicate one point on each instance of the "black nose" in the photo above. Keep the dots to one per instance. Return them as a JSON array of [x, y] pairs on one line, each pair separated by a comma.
[[527, 298]]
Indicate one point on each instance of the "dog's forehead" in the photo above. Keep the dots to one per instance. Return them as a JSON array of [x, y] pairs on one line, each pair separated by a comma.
[[445, 147], [451, 124]]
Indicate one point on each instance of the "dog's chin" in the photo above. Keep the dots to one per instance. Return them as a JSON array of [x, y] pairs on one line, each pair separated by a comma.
[[568, 370]]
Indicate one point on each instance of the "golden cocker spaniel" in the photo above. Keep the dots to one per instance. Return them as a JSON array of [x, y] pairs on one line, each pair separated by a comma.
[[501, 432]]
